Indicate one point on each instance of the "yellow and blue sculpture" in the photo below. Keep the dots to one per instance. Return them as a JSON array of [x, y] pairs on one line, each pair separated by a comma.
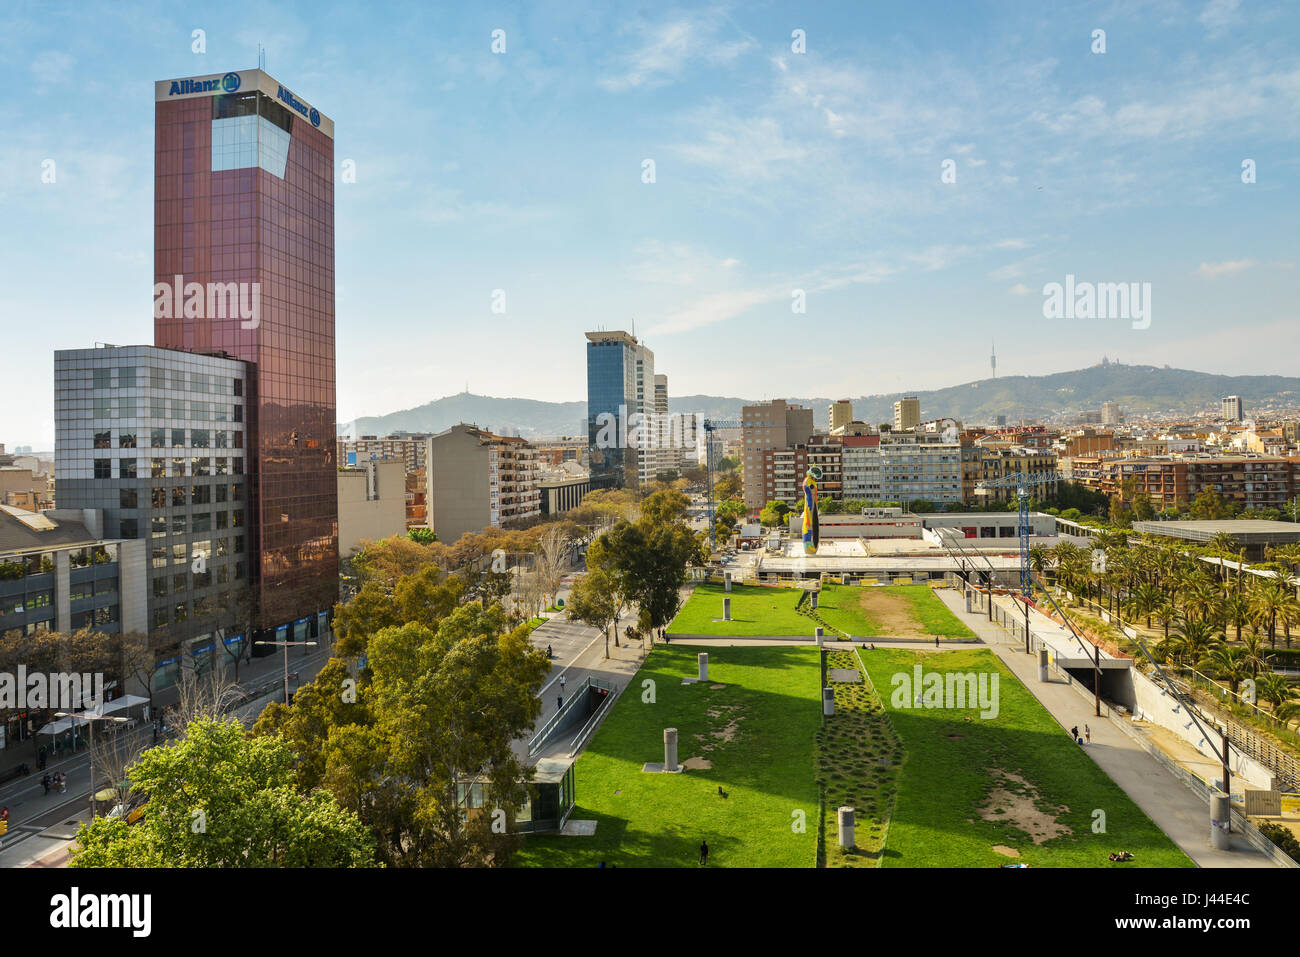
[[811, 531]]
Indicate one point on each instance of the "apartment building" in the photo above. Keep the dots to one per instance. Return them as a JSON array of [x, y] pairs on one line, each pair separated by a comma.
[[827, 453], [476, 479], [782, 473], [920, 466], [1246, 481], [406, 447], [860, 467], [1230, 408], [372, 503], [839, 415], [907, 413], [765, 427]]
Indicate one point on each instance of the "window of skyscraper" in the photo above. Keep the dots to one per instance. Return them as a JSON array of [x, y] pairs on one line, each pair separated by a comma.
[[103, 468]]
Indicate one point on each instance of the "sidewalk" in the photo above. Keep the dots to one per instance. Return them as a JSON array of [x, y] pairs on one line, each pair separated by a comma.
[[1174, 808]]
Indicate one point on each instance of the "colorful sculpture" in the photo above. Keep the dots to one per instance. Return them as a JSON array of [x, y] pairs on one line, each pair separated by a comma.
[[811, 529]]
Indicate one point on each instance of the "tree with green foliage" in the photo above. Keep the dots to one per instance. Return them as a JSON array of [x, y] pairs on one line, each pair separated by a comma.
[[729, 486], [421, 536], [424, 733], [774, 514], [219, 797], [731, 512], [1209, 504], [594, 600]]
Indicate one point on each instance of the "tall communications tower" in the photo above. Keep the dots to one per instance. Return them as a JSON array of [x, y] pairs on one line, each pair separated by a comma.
[[993, 360]]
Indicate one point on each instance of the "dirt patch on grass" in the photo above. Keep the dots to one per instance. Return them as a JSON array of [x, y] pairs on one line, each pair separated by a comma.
[[892, 613], [697, 764], [1006, 851], [1015, 801], [716, 687], [726, 724]]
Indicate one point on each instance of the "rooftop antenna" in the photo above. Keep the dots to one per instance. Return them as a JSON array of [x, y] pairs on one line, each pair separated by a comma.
[[261, 57], [993, 360]]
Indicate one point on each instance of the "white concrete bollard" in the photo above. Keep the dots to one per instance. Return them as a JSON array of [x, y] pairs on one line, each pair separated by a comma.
[[726, 582], [813, 600], [1042, 664], [820, 636], [828, 701], [670, 749], [726, 609], [703, 659], [1220, 820], [846, 827]]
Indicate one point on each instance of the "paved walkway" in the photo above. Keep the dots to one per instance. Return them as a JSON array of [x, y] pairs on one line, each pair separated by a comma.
[[1175, 808]]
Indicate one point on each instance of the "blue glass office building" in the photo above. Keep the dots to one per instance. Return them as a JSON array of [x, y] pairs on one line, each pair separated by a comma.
[[618, 369]]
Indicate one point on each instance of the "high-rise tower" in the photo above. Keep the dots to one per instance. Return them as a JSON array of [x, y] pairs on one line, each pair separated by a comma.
[[244, 207]]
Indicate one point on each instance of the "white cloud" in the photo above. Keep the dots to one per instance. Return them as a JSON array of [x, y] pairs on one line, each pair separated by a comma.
[[1019, 289], [1218, 15], [666, 49], [1230, 268]]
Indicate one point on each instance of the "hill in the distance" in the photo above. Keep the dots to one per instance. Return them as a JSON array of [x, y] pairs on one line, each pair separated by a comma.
[[1137, 389]]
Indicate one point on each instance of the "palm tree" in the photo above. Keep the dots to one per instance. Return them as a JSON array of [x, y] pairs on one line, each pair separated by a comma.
[[1221, 546], [1276, 690], [1236, 611], [1203, 598], [1038, 559], [1288, 611], [1166, 612], [1195, 638], [1266, 599], [1228, 664], [1253, 646], [1144, 600]]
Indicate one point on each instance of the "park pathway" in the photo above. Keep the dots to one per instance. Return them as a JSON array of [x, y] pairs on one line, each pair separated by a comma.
[[1175, 808]]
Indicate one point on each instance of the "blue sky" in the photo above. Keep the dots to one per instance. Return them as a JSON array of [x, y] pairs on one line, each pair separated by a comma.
[[774, 171]]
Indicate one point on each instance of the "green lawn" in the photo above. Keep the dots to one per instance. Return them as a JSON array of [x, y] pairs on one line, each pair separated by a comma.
[[899, 611], [858, 757], [951, 765], [770, 706], [756, 610]]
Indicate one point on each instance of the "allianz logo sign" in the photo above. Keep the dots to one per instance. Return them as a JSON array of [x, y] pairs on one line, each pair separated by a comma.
[[294, 103], [226, 84]]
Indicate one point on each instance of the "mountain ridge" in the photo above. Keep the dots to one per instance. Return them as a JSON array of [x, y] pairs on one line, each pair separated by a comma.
[[1142, 389]]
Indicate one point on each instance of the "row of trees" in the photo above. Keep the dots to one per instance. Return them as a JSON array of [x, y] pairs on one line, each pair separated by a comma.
[[1213, 619]]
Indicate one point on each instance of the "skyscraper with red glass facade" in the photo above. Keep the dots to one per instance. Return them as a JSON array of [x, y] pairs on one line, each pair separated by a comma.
[[244, 194]]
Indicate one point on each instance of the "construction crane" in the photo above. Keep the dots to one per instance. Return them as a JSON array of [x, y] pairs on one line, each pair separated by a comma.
[[1022, 482], [710, 425]]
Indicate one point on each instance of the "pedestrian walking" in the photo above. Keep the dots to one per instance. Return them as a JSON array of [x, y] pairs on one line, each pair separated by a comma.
[[559, 702], [704, 852], [936, 641], [562, 680], [45, 783], [1074, 733], [1087, 734]]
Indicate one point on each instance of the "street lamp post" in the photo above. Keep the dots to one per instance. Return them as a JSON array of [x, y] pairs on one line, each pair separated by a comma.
[[91, 719], [285, 645]]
